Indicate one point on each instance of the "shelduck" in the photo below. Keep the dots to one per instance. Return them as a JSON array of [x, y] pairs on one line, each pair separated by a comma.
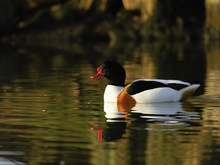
[[141, 90]]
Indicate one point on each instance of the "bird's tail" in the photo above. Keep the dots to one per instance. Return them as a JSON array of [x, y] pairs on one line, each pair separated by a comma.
[[188, 91]]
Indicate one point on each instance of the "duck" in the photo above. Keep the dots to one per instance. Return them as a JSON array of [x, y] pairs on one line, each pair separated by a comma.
[[140, 90]]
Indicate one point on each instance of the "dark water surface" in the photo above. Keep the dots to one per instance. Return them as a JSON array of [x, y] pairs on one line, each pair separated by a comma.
[[51, 112]]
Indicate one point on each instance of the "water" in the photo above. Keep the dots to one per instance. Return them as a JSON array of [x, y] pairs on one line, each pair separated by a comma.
[[51, 112]]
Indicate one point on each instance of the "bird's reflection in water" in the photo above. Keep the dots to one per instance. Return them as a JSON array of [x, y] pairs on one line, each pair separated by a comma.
[[119, 116], [113, 131]]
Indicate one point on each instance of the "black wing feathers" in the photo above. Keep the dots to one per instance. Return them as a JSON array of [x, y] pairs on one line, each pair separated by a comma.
[[177, 86], [140, 86]]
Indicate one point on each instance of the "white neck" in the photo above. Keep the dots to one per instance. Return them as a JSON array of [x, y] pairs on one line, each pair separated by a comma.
[[111, 93]]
